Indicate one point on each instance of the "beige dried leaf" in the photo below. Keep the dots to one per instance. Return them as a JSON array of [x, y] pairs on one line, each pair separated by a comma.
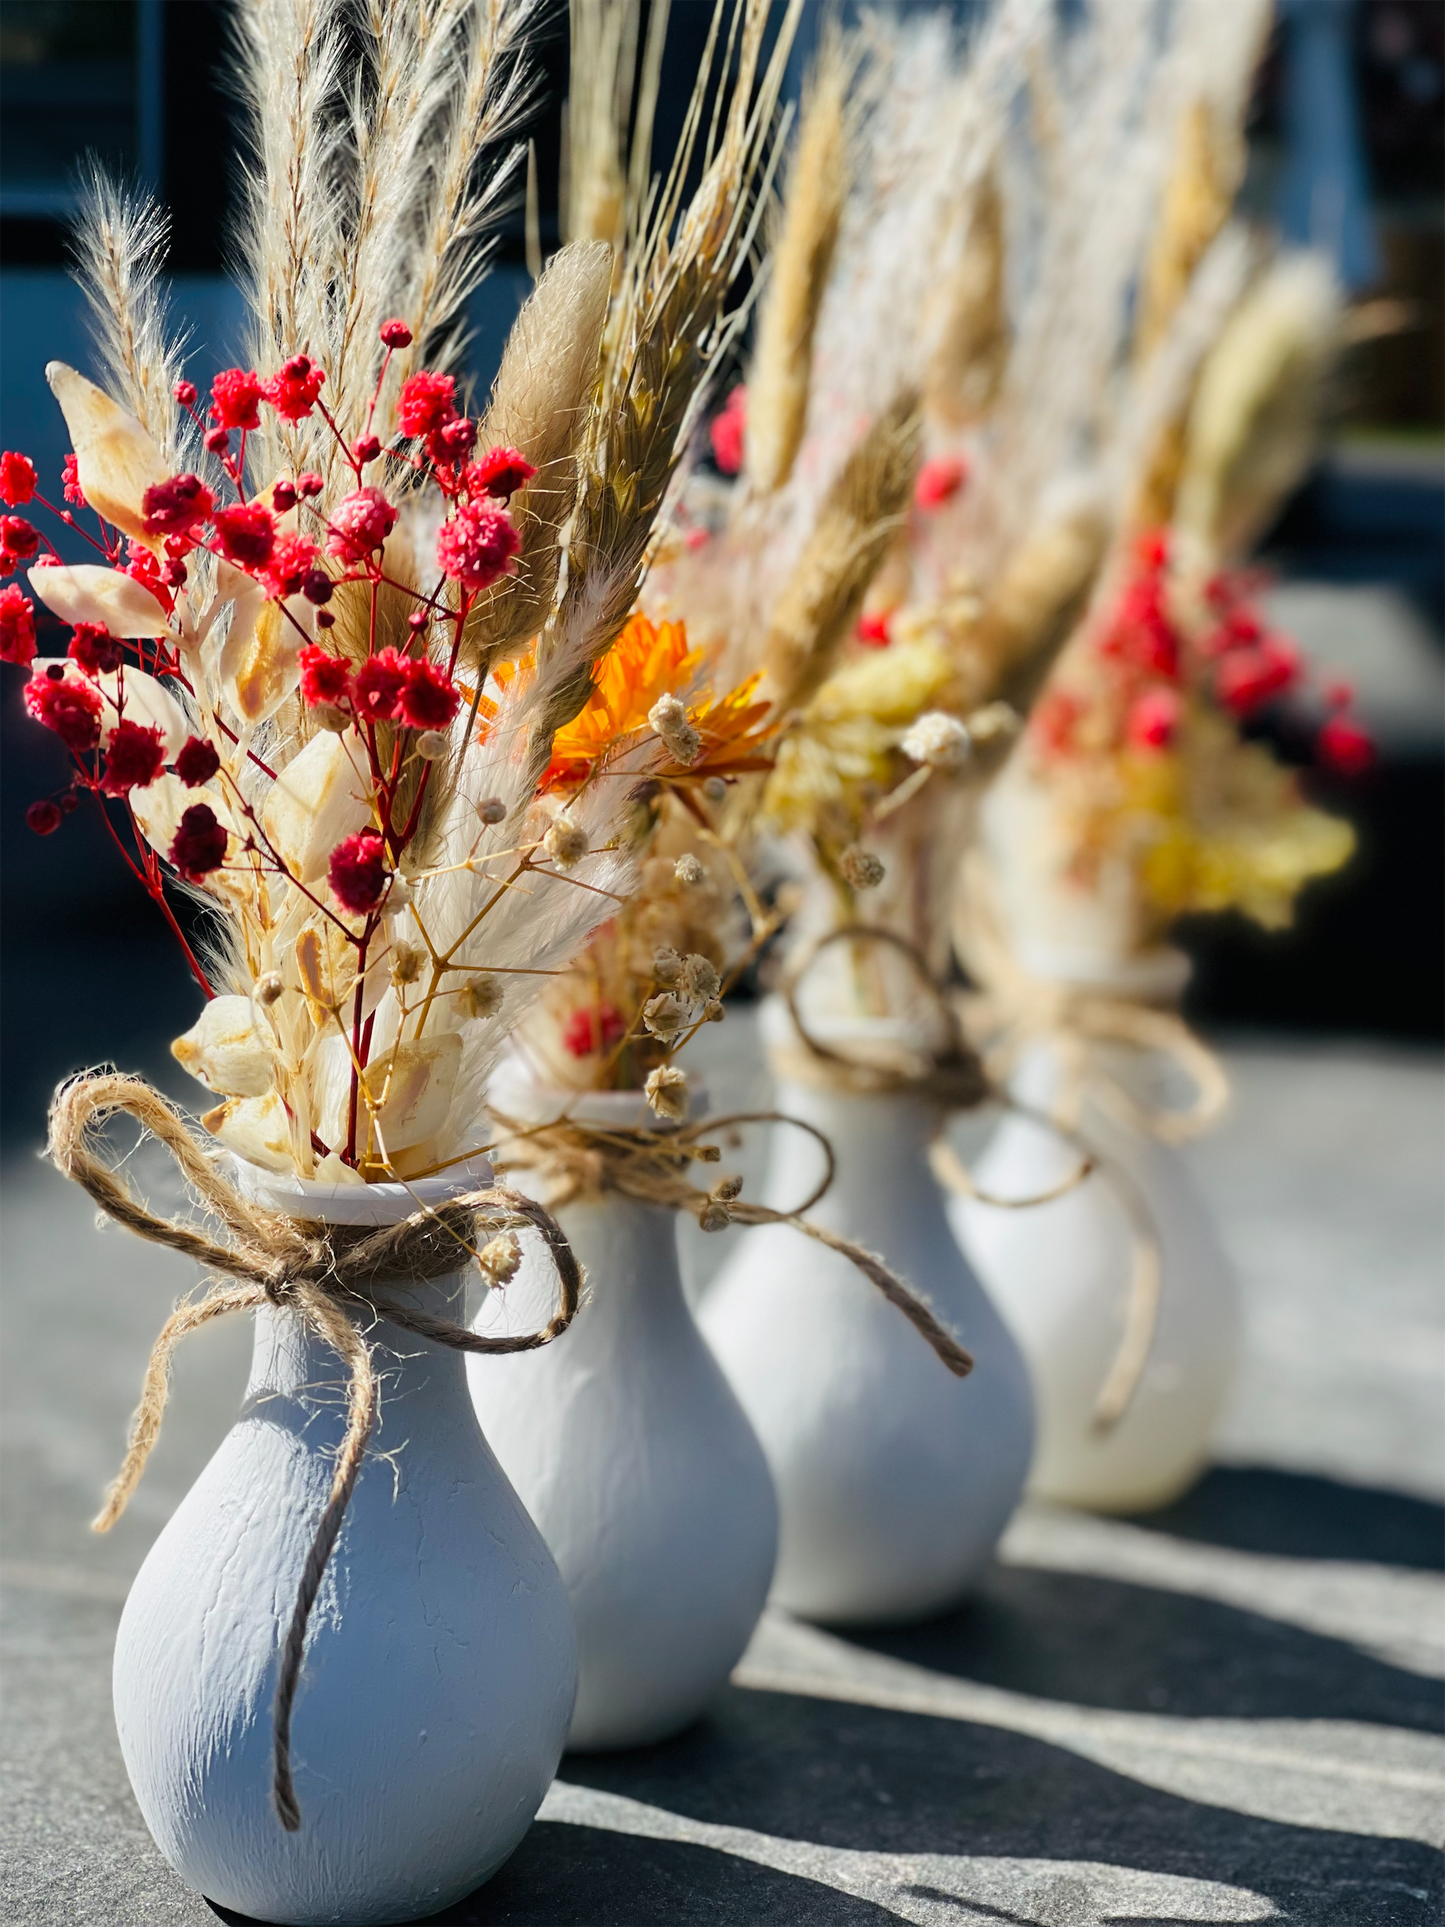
[[116, 460]]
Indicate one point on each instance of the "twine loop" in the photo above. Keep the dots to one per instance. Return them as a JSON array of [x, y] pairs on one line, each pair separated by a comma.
[[580, 1162], [960, 1076], [328, 1276]]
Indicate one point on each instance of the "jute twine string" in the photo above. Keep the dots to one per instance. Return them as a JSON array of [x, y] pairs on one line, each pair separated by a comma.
[[583, 1162], [325, 1275], [1015, 1009], [958, 1077]]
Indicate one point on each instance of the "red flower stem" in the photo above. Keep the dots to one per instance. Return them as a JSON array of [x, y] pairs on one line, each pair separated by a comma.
[[154, 889]]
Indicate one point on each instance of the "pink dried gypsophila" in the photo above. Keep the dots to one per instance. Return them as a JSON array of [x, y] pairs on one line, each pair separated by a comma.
[[426, 403], [17, 627], [294, 392], [476, 546], [360, 525], [67, 705]]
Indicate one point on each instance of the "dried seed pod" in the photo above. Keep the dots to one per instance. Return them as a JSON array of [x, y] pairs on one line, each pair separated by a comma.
[[860, 869], [565, 842], [666, 1090], [500, 1259]]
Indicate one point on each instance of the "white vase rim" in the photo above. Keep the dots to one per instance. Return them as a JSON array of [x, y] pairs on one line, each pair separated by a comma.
[[363, 1204], [1156, 975]]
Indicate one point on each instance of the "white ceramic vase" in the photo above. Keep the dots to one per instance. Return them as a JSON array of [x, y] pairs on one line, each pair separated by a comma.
[[894, 1478], [1061, 1275], [440, 1663], [635, 1460], [1061, 1272]]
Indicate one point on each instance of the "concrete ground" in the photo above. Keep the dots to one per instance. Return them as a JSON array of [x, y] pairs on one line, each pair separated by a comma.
[[1228, 1712]]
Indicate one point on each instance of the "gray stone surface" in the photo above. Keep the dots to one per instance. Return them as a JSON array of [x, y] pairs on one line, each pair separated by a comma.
[[1228, 1712]]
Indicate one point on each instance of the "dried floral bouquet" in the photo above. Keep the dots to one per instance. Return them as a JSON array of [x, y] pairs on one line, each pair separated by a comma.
[[288, 664]]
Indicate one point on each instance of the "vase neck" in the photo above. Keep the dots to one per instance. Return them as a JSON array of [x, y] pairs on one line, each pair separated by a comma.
[[291, 1359], [885, 1133]]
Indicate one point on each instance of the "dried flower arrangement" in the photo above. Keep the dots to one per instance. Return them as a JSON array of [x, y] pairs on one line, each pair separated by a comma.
[[1137, 795], [333, 666], [936, 439]]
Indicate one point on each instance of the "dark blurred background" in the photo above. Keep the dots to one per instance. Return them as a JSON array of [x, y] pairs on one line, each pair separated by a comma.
[[1348, 152]]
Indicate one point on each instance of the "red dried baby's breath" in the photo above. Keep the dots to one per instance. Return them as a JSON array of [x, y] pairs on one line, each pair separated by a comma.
[[69, 706], [246, 535], [17, 478], [293, 392], [235, 394], [499, 473], [429, 699], [359, 525], [476, 545], [95, 649], [377, 685], [134, 756], [17, 627], [197, 762], [426, 403], [325, 679], [199, 844], [357, 872]]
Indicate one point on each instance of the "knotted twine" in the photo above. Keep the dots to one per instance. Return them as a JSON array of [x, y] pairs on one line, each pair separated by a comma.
[[583, 1162], [956, 1077], [1014, 1009], [325, 1274]]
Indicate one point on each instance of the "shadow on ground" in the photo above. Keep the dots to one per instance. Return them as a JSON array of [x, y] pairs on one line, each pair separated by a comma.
[[1090, 1641], [1301, 1516]]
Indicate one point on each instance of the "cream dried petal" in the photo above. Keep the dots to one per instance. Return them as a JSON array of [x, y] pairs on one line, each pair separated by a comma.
[[255, 1128], [261, 657], [85, 592], [333, 1169], [160, 805], [413, 1086], [116, 460], [228, 1049], [321, 796]]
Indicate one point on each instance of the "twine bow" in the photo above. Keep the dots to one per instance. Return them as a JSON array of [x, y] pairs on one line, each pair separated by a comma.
[[958, 1077], [586, 1161], [1014, 1008], [325, 1275]]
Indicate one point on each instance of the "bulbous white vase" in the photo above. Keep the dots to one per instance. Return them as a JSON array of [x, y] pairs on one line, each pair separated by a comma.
[[635, 1460], [894, 1478], [1061, 1275], [440, 1664]]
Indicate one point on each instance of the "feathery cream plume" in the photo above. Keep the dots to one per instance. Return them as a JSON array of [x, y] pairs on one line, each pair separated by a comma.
[[120, 243], [802, 251], [540, 404], [602, 185], [1254, 424], [1034, 606], [667, 328], [970, 326], [844, 550]]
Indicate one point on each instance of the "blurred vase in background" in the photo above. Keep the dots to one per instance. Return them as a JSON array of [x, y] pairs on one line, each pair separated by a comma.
[[894, 1478], [1117, 1290], [632, 1455]]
